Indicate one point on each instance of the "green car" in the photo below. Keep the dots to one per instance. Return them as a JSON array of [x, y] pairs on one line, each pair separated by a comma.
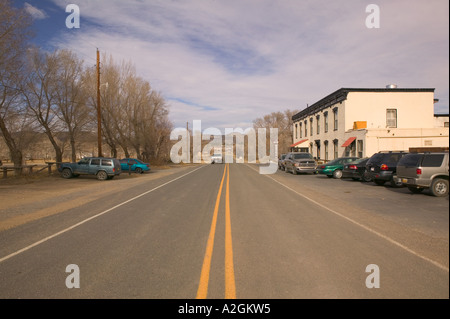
[[334, 168]]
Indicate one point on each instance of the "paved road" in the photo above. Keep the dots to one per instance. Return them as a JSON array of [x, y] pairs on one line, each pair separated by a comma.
[[225, 231]]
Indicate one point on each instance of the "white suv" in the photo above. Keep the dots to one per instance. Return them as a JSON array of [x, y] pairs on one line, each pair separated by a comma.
[[216, 158]]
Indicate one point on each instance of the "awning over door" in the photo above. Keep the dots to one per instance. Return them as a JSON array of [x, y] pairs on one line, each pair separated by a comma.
[[298, 143], [349, 141]]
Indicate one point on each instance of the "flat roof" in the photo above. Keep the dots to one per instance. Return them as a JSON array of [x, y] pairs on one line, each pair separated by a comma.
[[341, 95]]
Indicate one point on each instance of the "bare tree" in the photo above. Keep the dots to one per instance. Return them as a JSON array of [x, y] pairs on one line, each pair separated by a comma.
[[40, 97], [70, 98], [14, 33], [282, 121]]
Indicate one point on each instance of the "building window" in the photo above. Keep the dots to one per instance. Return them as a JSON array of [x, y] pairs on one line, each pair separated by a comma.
[[335, 118], [336, 148], [301, 133], [445, 124], [325, 143], [318, 124], [360, 147], [391, 118], [296, 131], [318, 149], [325, 121], [311, 126], [306, 128]]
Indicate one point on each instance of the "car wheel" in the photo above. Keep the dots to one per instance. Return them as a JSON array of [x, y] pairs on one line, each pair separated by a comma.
[[395, 182], [101, 175], [439, 187], [337, 174], [415, 190], [138, 170], [379, 182], [66, 173], [294, 171], [366, 177]]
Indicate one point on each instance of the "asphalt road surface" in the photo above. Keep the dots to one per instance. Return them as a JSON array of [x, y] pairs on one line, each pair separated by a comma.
[[226, 231]]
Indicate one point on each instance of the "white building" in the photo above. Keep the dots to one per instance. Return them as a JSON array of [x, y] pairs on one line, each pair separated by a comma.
[[363, 121]]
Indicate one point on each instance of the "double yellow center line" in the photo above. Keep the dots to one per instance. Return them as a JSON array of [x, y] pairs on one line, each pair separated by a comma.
[[230, 285]]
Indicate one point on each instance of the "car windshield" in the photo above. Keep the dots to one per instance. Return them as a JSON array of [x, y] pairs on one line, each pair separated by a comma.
[[359, 161], [335, 161], [302, 155], [410, 160]]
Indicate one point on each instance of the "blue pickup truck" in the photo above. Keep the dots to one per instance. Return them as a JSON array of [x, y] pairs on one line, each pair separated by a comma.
[[102, 167]]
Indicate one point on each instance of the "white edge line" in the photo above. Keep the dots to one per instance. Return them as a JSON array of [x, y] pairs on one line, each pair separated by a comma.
[[90, 218], [443, 267]]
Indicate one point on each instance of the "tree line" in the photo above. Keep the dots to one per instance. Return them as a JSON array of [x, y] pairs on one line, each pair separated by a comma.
[[55, 93]]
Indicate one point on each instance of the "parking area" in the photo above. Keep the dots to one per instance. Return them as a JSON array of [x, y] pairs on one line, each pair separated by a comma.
[[424, 212]]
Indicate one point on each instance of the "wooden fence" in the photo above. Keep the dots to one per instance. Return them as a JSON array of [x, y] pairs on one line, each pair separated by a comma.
[[28, 169]]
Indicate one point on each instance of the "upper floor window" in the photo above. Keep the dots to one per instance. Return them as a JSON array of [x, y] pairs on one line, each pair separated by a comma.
[[296, 131], [306, 128], [318, 124], [391, 118], [301, 128], [325, 121], [311, 125], [335, 118]]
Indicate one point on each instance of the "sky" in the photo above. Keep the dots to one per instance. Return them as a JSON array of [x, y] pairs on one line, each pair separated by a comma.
[[229, 62]]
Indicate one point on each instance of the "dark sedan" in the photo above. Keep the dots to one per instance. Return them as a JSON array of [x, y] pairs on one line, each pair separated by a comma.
[[357, 170]]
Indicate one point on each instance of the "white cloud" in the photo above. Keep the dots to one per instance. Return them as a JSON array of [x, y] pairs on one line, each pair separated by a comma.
[[228, 62], [36, 13]]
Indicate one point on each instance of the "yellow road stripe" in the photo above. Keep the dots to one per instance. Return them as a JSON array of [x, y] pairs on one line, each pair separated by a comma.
[[230, 285], [202, 291]]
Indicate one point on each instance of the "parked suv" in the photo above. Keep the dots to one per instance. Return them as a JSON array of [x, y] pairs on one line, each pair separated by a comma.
[[419, 171], [299, 162], [103, 167], [382, 167]]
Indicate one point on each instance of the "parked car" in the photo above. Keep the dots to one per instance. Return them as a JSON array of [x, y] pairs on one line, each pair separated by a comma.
[[281, 162], [103, 167], [216, 158], [134, 165], [382, 167], [299, 162], [419, 171], [334, 167], [357, 170]]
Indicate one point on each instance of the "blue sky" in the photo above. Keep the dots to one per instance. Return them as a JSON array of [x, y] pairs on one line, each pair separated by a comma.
[[228, 62]]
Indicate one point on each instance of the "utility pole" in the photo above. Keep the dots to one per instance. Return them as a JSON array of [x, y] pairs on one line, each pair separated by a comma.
[[99, 114]]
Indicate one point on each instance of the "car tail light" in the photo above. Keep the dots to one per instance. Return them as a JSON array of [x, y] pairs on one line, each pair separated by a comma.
[[114, 169], [322, 167], [418, 171], [352, 167], [384, 167]]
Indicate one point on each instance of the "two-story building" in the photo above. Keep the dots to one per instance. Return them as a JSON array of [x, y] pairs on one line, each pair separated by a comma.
[[363, 121]]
